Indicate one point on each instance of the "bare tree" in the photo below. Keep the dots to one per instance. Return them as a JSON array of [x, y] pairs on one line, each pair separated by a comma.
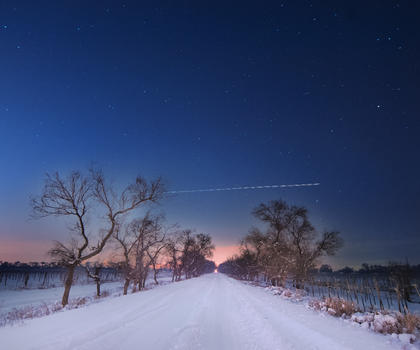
[[95, 275], [127, 242], [195, 250], [289, 247], [293, 240], [148, 234], [154, 253], [141, 242], [187, 257], [173, 250], [77, 195]]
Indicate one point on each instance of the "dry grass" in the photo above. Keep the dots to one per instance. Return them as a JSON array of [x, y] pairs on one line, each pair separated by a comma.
[[28, 312], [76, 303], [335, 306], [409, 323], [105, 294], [341, 306], [316, 304]]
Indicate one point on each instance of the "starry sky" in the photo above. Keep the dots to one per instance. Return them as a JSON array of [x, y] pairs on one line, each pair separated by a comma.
[[218, 94]]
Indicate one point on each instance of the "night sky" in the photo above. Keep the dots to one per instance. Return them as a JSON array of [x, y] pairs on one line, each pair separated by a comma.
[[218, 94]]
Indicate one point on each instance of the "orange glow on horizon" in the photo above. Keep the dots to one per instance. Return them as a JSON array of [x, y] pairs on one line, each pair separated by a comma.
[[222, 252], [31, 250]]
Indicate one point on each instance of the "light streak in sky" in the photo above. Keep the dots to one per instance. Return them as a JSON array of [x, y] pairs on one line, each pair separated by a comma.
[[244, 188]]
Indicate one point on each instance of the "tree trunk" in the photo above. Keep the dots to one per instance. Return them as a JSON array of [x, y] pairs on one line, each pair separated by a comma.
[[155, 274], [45, 279], [98, 287], [26, 279], [273, 282], [126, 285], [98, 280], [67, 284]]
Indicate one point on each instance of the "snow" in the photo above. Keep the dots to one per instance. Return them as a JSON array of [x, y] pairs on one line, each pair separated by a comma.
[[209, 312], [10, 299], [406, 338], [20, 298]]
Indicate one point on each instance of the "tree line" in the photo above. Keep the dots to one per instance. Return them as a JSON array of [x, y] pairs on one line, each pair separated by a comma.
[[143, 241], [47, 275], [391, 268]]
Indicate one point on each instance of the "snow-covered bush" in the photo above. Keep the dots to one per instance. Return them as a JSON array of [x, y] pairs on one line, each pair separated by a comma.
[[287, 293], [316, 304], [387, 322]]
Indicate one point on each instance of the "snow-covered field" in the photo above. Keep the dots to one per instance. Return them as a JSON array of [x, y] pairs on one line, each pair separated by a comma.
[[209, 312], [21, 298], [10, 299]]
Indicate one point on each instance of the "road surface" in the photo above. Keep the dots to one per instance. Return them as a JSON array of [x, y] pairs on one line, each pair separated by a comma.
[[211, 312]]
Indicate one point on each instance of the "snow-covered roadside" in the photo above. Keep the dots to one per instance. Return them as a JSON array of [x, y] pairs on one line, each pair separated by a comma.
[[389, 323]]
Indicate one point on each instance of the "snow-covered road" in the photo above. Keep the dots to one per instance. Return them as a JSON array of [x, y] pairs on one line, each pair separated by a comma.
[[212, 312]]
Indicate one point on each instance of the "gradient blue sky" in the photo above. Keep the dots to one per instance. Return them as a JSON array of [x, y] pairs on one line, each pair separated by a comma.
[[219, 94]]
